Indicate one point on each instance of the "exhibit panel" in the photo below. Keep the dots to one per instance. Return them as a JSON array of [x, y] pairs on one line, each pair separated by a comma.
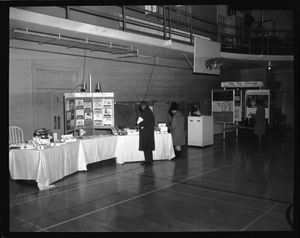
[[223, 107], [88, 111], [103, 109]]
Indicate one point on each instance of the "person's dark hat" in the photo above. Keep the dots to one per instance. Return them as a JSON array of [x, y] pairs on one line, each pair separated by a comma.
[[143, 103], [174, 106], [259, 101]]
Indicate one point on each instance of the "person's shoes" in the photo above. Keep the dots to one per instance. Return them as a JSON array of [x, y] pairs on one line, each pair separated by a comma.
[[176, 154], [146, 164]]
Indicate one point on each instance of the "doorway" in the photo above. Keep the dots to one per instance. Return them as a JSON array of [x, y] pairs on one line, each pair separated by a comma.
[[49, 86]]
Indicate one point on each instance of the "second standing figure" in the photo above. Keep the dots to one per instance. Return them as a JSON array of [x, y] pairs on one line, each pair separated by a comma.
[[177, 129]]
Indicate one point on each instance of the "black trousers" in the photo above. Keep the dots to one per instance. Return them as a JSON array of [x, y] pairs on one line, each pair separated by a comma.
[[148, 156]]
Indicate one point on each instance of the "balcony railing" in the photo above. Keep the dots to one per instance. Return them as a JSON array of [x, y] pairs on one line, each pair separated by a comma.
[[172, 23]]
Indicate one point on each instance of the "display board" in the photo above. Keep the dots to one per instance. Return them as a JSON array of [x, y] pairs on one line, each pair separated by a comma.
[[88, 111], [223, 106], [250, 100], [239, 88], [103, 108]]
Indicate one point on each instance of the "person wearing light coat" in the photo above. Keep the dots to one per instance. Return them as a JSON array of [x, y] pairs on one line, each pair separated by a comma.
[[177, 129]]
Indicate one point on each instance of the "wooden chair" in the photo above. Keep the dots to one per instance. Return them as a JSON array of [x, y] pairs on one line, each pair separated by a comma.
[[15, 135]]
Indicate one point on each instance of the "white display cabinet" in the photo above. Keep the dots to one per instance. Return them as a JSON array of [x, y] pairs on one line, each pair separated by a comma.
[[200, 131]]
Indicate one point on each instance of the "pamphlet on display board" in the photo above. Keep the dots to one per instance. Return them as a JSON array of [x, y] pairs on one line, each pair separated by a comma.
[[88, 116], [87, 105]]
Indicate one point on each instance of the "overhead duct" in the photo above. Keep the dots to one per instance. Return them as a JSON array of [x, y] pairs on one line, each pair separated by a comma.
[[46, 38]]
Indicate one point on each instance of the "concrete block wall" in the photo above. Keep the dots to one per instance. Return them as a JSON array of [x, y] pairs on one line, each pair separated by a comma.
[[168, 81]]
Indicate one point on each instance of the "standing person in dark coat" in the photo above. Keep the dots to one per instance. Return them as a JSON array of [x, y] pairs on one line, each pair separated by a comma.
[[146, 127], [260, 120]]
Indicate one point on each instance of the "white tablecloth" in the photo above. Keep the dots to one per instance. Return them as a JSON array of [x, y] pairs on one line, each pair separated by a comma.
[[128, 148], [98, 149], [53, 163], [45, 166]]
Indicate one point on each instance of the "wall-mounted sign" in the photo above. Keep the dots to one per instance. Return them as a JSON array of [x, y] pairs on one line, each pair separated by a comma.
[[242, 84]]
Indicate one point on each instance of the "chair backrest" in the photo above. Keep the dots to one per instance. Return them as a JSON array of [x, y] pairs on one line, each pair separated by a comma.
[[15, 135]]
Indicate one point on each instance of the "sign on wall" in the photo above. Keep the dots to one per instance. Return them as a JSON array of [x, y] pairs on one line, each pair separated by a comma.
[[242, 84], [223, 106]]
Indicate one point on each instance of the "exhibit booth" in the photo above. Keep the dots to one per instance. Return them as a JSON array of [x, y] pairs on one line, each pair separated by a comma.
[[46, 158], [234, 106]]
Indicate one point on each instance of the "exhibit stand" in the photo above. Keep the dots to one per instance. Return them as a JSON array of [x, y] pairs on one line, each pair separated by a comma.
[[236, 105], [87, 112]]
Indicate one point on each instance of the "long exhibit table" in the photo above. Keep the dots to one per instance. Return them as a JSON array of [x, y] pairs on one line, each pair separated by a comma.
[[128, 148], [55, 162]]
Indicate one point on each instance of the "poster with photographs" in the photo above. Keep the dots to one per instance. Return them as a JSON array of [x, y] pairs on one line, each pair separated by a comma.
[[223, 108], [103, 108]]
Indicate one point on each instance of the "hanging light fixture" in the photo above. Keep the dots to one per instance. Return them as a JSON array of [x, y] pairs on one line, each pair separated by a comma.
[[98, 87], [269, 65], [83, 87]]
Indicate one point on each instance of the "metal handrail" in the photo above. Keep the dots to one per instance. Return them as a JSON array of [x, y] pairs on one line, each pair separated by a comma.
[[240, 39]]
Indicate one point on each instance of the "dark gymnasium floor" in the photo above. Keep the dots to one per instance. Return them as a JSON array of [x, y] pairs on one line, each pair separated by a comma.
[[234, 185]]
